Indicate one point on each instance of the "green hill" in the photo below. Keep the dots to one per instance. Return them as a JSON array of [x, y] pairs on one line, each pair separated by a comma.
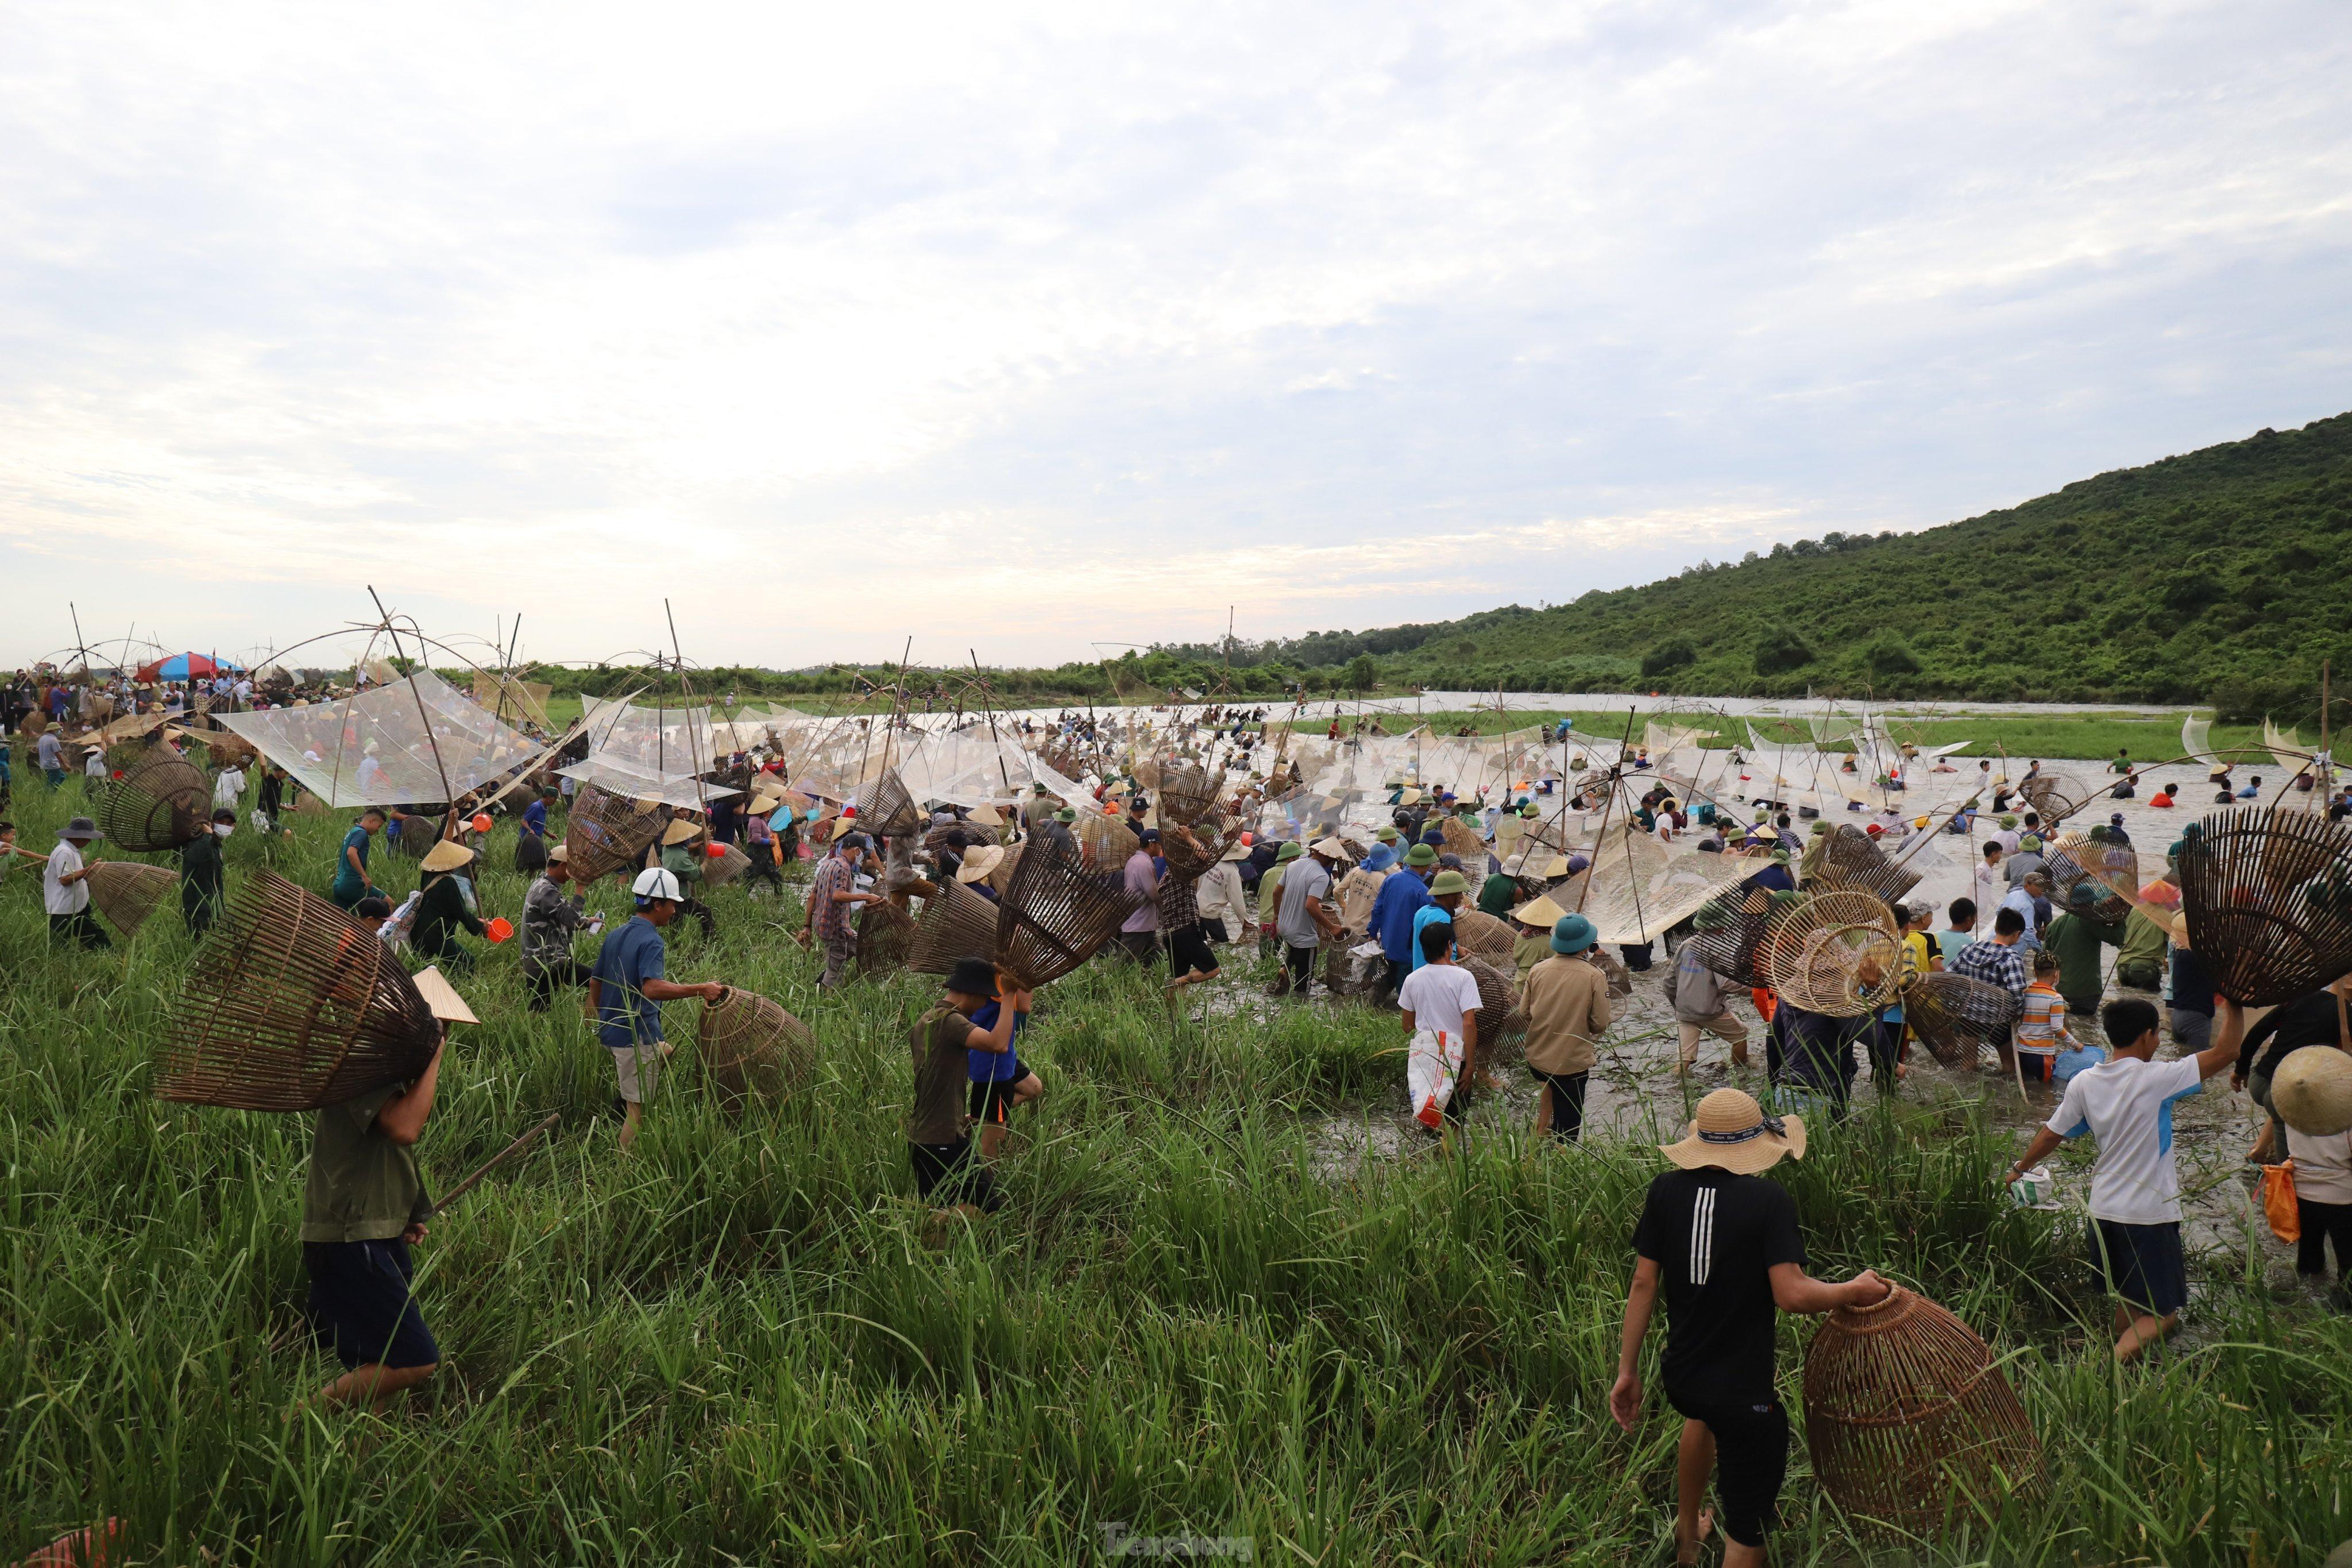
[[2219, 576]]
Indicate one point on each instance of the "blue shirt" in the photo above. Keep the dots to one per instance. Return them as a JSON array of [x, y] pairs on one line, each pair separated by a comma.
[[1392, 910], [1428, 915], [534, 817], [995, 1066], [349, 883], [630, 956]]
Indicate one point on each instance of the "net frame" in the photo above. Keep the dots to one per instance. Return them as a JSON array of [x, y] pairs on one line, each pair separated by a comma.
[[160, 803], [293, 1004], [127, 891], [956, 923], [2267, 893], [751, 1047], [1834, 953], [1056, 915], [1909, 1420], [1955, 1014], [2057, 796], [605, 832]]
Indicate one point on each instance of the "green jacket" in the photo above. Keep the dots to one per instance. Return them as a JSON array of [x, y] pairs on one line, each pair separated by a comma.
[[2075, 940], [684, 862]]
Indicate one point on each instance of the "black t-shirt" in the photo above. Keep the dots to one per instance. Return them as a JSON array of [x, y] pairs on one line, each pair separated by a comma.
[[2308, 1020], [1716, 1237]]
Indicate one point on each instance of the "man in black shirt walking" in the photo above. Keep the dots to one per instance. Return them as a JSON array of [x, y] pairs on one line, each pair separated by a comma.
[[1723, 1243]]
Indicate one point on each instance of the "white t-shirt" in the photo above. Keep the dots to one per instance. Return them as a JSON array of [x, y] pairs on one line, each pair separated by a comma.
[[2126, 1105], [1439, 995], [2322, 1167], [62, 900]]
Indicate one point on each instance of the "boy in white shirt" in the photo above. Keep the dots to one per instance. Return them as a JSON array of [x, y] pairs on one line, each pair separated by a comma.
[[2126, 1104], [1439, 1003]]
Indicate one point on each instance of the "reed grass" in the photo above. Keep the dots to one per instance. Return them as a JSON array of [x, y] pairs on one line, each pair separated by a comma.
[[735, 1343]]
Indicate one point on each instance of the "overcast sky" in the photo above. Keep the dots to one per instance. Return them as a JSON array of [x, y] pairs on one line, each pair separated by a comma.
[[1034, 329]]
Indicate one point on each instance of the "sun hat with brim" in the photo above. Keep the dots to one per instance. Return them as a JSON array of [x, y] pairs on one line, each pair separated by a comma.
[[1561, 865], [1572, 933], [2312, 1090], [82, 829], [979, 861], [973, 977], [1236, 851], [1540, 913], [1446, 882], [986, 816], [558, 855], [1732, 1131], [1290, 851], [1409, 797], [685, 832], [445, 856], [1421, 855]]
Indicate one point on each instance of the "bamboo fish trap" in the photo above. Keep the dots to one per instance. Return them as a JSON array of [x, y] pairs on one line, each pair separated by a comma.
[[1954, 1015], [1730, 939], [1187, 793], [293, 1004], [751, 1047], [1481, 936], [1106, 843], [885, 937], [1834, 953], [957, 924], [608, 833], [1498, 1005], [1852, 862], [2110, 865], [1193, 849], [886, 808], [1461, 839], [158, 803], [723, 868], [2268, 897], [127, 891], [1908, 1418], [1056, 915]]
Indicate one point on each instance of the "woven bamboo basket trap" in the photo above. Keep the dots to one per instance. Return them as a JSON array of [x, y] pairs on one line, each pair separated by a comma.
[[1499, 1015], [1852, 861], [956, 923], [1056, 915], [607, 833], [158, 803], [293, 1004], [885, 937], [1192, 850], [127, 891], [723, 868], [1908, 1418], [2110, 865], [1729, 937], [1187, 793], [1484, 936], [885, 807], [2268, 897], [1834, 953], [1954, 1015], [1105, 842], [751, 1047], [1463, 839]]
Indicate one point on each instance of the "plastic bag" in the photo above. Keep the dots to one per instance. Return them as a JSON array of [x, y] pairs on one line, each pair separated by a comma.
[[2279, 1205]]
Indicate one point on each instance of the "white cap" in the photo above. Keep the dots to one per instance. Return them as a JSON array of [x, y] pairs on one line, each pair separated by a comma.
[[657, 883]]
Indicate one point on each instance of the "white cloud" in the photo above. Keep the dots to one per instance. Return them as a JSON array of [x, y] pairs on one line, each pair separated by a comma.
[[1025, 328]]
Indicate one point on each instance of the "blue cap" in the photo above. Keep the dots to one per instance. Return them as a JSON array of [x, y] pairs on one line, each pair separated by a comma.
[[1573, 934]]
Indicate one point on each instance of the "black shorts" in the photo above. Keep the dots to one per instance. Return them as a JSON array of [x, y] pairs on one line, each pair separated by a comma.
[[360, 1303], [1188, 950], [1567, 1101], [1751, 1460], [947, 1173], [2143, 1264], [992, 1103]]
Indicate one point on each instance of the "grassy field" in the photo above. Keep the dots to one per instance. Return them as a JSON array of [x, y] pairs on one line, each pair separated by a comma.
[[734, 1345]]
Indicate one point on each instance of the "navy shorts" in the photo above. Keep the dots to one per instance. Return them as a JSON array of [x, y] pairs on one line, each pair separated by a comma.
[[360, 1303], [2143, 1264], [1751, 1460]]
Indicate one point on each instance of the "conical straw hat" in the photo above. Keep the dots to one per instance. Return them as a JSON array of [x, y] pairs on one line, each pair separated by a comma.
[[2312, 1090]]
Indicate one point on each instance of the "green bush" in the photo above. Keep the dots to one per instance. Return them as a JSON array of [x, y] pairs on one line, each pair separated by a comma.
[[1672, 654]]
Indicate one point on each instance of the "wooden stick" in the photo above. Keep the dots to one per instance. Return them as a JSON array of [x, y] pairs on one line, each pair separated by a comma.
[[493, 1162]]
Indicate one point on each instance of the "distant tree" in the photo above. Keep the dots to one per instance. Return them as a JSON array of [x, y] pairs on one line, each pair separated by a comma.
[[1781, 649], [1890, 655], [1362, 674], [1672, 654]]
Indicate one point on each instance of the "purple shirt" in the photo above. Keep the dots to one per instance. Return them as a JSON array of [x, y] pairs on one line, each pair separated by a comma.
[[1143, 882]]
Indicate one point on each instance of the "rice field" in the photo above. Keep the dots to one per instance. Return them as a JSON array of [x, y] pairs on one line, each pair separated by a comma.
[[745, 1341]]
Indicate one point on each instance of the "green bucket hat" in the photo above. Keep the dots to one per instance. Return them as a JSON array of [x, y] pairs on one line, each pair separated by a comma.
[[1290, 851], [1446, 882], [1066, 814], [2080, 896], [2008, 820], [1386, 834], [1421, 855], [1574, 934]]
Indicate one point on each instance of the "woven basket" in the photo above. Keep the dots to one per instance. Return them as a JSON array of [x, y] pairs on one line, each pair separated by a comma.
[[751, 1047], [293, 1004], [1730, 939], [2268, 897], [607, 833], [1188, 793], [158, 803], [1955, 1013], [1054, 916], [1908, 1418], [2057, 796], [1105, 842], [1851, 861], [127, 891], [1463, 839], [723, 868], [1191, 850], [1481, 935], [1499, 1014], [2110, 866], [957, 924], [1834, 953], [885, 937], [885, 806]]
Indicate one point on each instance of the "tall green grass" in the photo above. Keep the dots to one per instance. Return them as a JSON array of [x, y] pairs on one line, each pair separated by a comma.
[[737, 1344]]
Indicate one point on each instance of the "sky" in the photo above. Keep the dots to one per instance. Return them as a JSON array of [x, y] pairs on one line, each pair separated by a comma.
[[1035, 331]]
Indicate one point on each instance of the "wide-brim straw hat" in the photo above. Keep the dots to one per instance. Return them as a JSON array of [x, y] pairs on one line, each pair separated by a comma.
[[681, 832], [82, 829], [1331, 847], [2312, 1090], [979, 861], [1732, 1131], [445, 856], [1541, 913], [986, 816], [1236, 851]]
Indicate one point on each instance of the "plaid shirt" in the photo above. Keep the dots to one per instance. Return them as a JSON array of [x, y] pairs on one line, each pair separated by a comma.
[[1180, 901], [834, 875], [1994, 964]]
